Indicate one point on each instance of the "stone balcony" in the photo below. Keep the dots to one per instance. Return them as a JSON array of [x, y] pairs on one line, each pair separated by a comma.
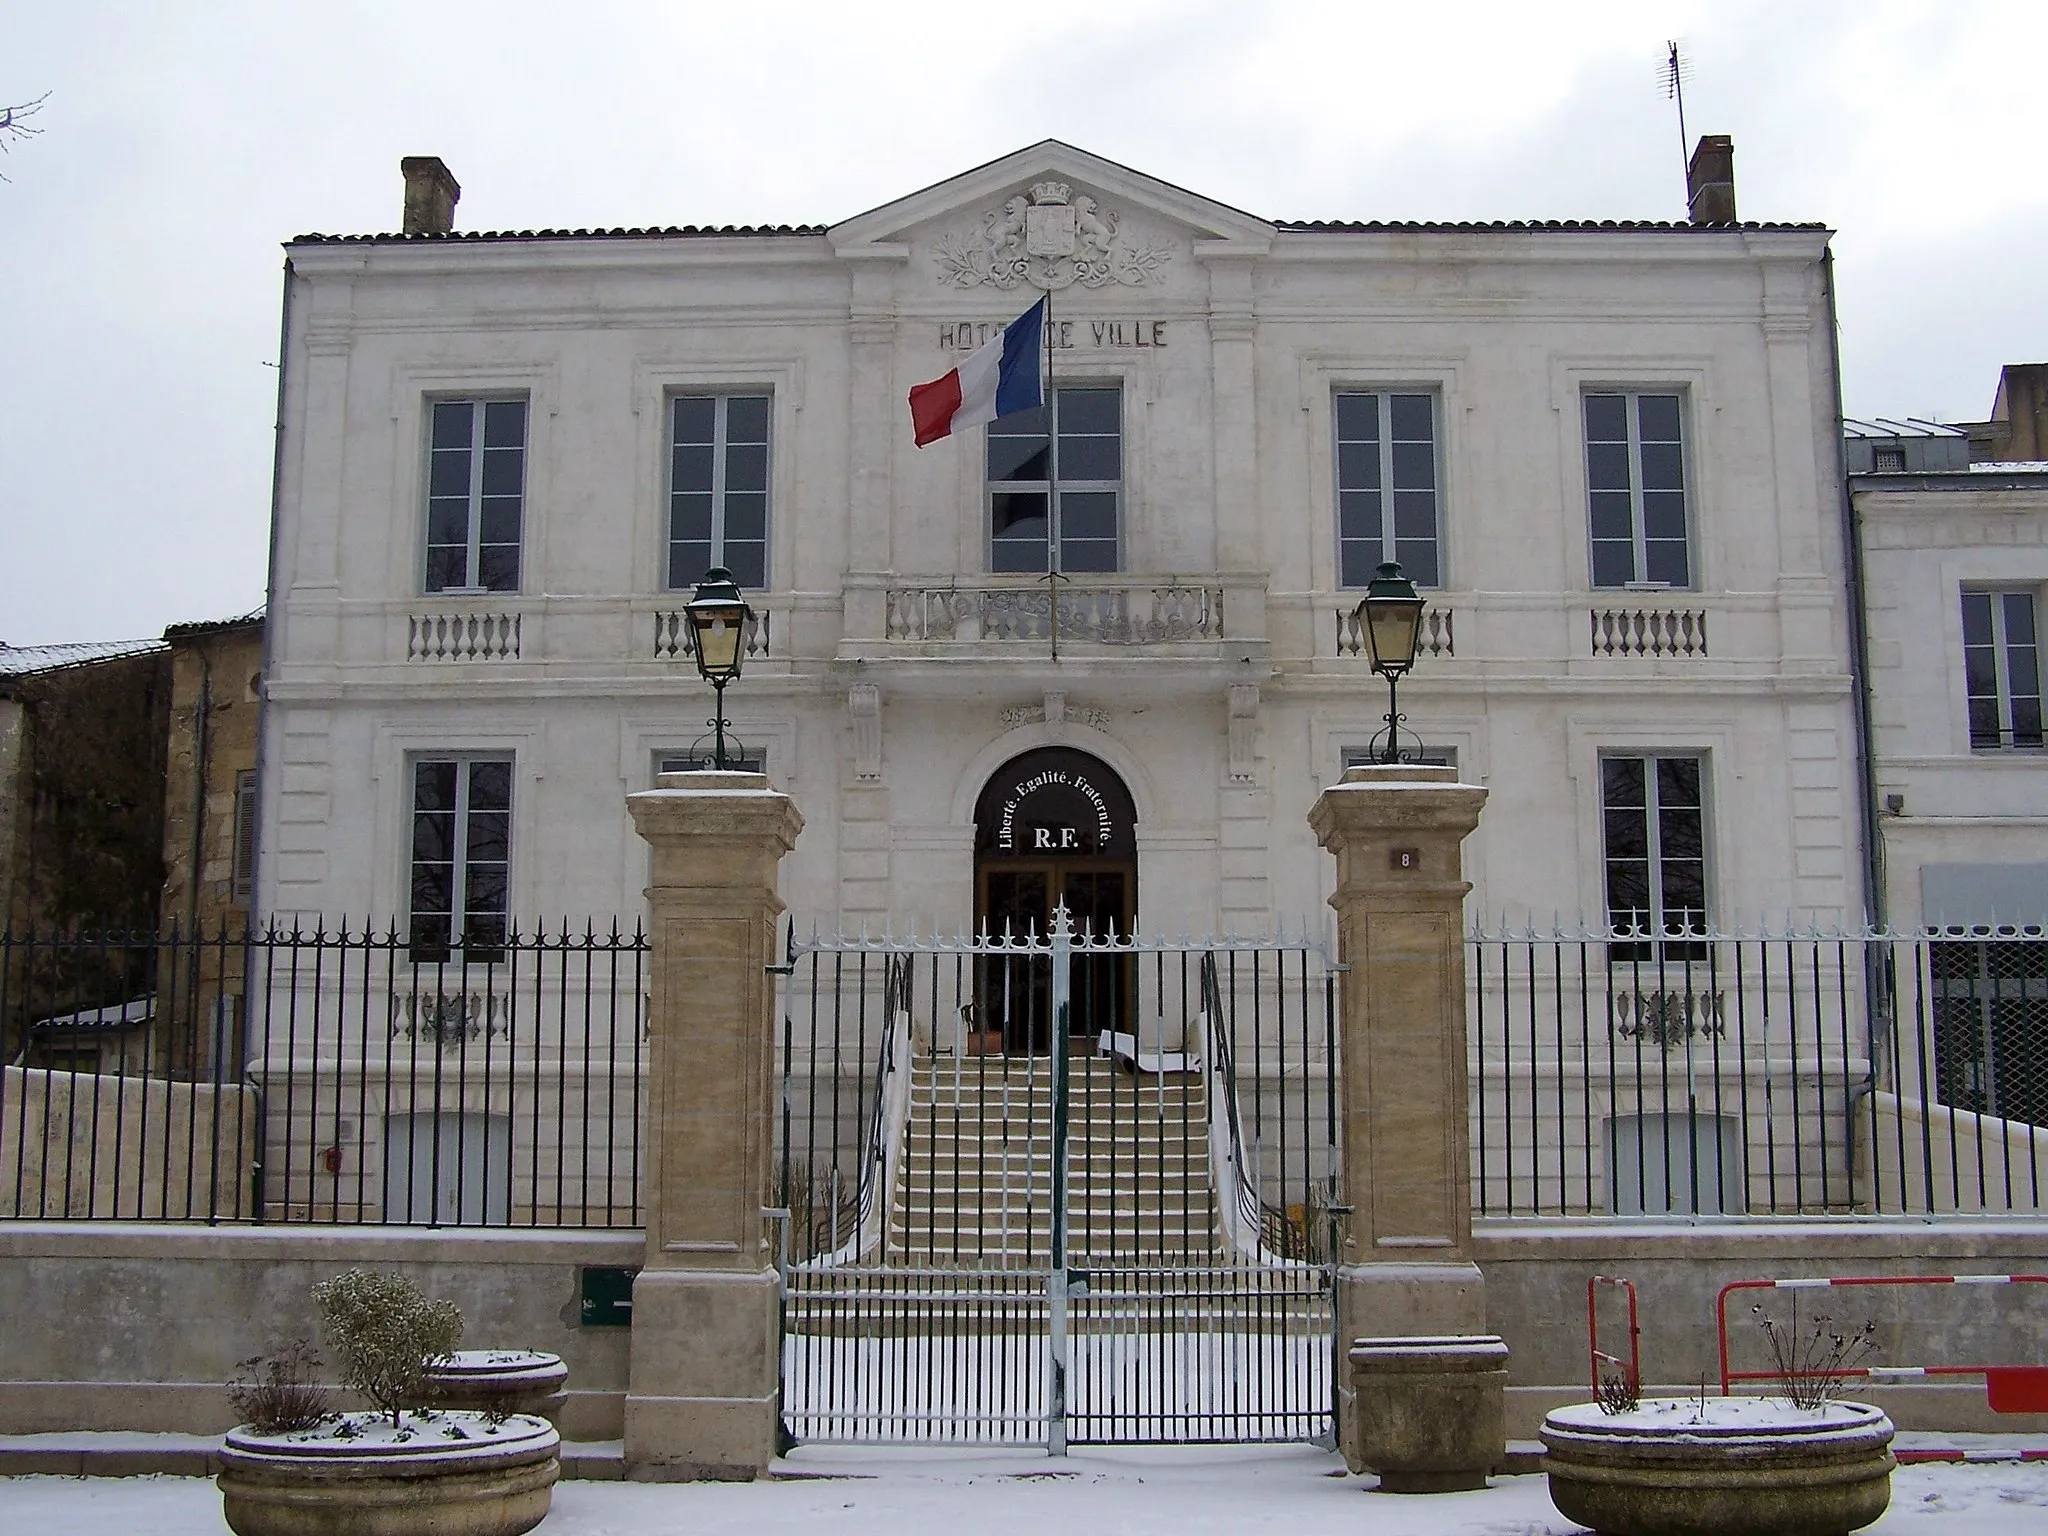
[[1105, 623]]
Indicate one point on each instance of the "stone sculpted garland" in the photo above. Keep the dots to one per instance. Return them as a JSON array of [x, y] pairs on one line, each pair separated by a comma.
[[1050, 239]]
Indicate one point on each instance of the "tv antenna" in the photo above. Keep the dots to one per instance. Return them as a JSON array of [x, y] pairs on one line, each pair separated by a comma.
[[1672, 74]]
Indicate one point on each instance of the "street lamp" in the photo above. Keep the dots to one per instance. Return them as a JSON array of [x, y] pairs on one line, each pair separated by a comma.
[[722, 627], [1390, 616]]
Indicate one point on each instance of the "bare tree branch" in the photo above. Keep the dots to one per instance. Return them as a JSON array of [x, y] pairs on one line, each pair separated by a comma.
[[14, 123]]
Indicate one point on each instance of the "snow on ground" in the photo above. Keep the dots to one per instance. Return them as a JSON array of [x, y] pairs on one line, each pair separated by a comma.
[[1170, 1492]]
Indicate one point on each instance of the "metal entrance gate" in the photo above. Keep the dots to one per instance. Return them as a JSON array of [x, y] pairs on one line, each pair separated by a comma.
[[1125, 1239]]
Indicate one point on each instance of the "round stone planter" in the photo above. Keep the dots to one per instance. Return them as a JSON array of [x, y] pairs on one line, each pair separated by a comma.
[[437, 1474], [1725, 1466], [500, 1381], [1429, 1409]]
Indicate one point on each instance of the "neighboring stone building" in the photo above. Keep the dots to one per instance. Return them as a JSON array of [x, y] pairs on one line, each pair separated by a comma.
[[1955, 562], [210, 779], [1607, 452], [210, 825]]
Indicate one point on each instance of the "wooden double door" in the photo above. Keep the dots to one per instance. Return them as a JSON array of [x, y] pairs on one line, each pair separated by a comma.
[[1013, 996]]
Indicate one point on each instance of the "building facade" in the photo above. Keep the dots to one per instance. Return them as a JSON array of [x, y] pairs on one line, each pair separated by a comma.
[[1606, 453]]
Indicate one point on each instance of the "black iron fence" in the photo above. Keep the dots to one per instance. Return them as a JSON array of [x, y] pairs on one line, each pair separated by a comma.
[[1766, 1074], [317, 1074]]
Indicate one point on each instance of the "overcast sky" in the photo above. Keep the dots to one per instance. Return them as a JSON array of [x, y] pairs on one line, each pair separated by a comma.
[[182, 143]]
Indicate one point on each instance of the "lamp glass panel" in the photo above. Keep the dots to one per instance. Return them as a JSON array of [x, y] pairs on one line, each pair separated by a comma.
[[1390, 632]]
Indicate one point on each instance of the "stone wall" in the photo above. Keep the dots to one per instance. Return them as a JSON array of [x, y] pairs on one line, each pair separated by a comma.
[[217, 669], [1536, 1299], [138, 1326]]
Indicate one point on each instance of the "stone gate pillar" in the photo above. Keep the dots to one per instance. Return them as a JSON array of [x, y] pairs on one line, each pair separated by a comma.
[[701, 1391], [1405, 1251]]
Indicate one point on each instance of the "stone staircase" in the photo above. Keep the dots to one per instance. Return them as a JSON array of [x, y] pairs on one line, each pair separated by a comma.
[[974, 1188]]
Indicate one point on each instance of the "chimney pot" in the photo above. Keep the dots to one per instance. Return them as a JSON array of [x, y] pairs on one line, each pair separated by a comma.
[[431, 193], [1710, 181]]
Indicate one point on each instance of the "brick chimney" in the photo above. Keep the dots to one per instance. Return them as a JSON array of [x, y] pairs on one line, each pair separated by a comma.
[[1710, 181], [431, 194]]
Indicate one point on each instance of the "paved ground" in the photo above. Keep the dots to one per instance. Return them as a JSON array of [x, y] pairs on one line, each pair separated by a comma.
[[1298, 1492]]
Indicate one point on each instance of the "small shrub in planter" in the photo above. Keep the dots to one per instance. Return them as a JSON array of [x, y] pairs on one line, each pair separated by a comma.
[[403, 1468]]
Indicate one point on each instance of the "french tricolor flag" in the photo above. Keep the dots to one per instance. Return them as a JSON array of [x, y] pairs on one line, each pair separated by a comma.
[[999, 377]]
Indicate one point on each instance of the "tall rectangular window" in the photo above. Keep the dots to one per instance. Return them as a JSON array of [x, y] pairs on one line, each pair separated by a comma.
[[1654, 843], [718, 488], [476, 492], [1635, 485], [1386, 487], [2002, 669], [461, 857], [1055, 488]]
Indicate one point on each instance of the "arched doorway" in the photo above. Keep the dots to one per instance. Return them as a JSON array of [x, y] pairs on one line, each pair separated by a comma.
[[1055, 826]]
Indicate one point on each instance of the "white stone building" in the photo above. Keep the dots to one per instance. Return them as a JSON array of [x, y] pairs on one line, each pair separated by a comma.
[[1606, 451]]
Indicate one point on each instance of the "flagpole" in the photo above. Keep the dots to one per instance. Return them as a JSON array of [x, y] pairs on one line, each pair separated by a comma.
[[1052, 543]]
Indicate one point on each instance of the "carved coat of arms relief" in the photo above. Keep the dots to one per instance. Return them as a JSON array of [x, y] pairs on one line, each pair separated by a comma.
[[1048, 238]]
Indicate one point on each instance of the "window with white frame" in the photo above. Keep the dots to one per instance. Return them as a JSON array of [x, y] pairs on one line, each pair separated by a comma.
[[476, 495], [2002, 669], [1055, 486], [1387, 486], [1635, 488], [461, 857], [718, 488], [1654, 847]]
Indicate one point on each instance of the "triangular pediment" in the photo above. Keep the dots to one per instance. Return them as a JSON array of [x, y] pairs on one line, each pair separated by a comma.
[[1050, 215]]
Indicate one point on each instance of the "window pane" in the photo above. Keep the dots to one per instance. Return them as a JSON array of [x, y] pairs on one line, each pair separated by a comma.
[[1090, 458], [1088, 554], [448, 521], [1607, 466], [746, 419], [434, 786], [1418, 561], [690, 467], [490, 786], [1356, 559], [484, 892], [1678, 782], [690, 516], [1022, 457], [688, 560], [1666, 559], [447, 568], [1606, 419], [1614, 563], [448, 473], [1020, 530], [1977, 618], [1088, 515], [2019, 619], [1412, 418], [1621, 781], [1090, 410], [502, 471], [1657, 416], [1663, 467], [696, 418], [1414, 515], [747, 559], [746, 467], [746, 516], [505, 424], [452, 420], [1414, 467], [433, 837], [500, 523], [1358, 418], [497, 567], [1358, 466]]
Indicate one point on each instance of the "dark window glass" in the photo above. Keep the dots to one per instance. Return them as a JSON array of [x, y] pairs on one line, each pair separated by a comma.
[[461, 858], [1635, 489], [1056, 492], [1653, 830], [476, 491], [719, 469], [1387, 486]]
